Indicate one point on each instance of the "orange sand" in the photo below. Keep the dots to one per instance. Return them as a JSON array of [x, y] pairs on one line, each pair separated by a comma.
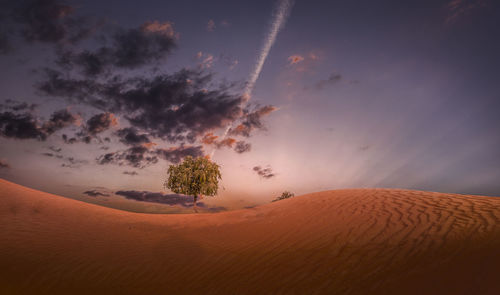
[[364, 241]]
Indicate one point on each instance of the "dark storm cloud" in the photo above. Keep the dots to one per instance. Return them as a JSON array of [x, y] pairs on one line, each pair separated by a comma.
[[176, 154], [95, 193], [252, 120], [264, 172], [131, 173], [131, 136], [177, 107], [129, 49], [4, 164], [242, 147], [50, 21], [331, 80], [168, 199]]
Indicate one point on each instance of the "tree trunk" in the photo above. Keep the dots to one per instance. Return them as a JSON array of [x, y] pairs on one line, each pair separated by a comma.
[[194, 204]]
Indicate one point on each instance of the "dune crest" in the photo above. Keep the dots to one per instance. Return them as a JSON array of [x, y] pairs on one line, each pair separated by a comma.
[[362, 241]]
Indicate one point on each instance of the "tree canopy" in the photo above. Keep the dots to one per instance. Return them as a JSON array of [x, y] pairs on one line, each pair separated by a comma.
[[193, 177]]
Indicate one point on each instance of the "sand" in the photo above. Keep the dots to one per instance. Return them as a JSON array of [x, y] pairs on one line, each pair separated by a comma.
[[361, 241]]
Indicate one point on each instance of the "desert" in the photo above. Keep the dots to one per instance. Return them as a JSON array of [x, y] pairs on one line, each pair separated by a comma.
[[356, 241]]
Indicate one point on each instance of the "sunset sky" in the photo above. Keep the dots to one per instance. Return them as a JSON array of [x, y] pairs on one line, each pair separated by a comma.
[[99, 97]]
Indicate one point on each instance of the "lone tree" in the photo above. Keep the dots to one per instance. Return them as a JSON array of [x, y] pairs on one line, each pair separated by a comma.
[[194, 177]]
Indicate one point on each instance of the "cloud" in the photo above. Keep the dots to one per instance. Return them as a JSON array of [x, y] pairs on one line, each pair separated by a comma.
[[129, 49], [20, 126], [55, 149], [50, 21], [211, 139], [26, 126], [59, 120], [242, 147], [4, 164], [168, 199], [179, 107], [100, 123], [228, 61], [141, 154], [175, 107], [131, 136], [73, 163], [94, 126], [210, 25], [207, 61], [365, 148], [252, 120], [331, 80], [176, 154], [131, 173], [52, 155], [136, 156], [459, 8], [95, 193], [294, 59], [18, 106], [264, 172]]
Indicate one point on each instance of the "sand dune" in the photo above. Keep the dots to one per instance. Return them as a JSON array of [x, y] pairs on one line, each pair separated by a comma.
[[366, 241]]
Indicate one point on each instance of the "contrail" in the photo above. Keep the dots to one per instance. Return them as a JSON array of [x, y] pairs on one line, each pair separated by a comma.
[[280, 16]]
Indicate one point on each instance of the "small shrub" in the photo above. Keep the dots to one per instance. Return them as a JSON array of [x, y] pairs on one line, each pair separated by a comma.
[[284, 195]]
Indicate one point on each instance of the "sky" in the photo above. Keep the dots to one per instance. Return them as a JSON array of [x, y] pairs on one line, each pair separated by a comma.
[[100, 97]]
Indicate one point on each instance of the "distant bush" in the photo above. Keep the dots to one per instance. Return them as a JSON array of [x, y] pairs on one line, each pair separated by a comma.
[[284, 195]]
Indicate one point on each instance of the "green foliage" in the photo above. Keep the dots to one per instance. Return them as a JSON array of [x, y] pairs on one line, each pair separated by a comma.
[[194, 176], [284, 195]]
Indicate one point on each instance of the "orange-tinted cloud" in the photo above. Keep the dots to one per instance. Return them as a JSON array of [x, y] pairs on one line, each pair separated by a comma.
[[252, 121], [228, 142], [165, 28], [209, 138], [294, 59], [206, 60]]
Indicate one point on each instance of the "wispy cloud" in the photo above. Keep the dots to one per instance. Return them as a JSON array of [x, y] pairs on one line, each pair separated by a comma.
[[211, 25], [460, 8]]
